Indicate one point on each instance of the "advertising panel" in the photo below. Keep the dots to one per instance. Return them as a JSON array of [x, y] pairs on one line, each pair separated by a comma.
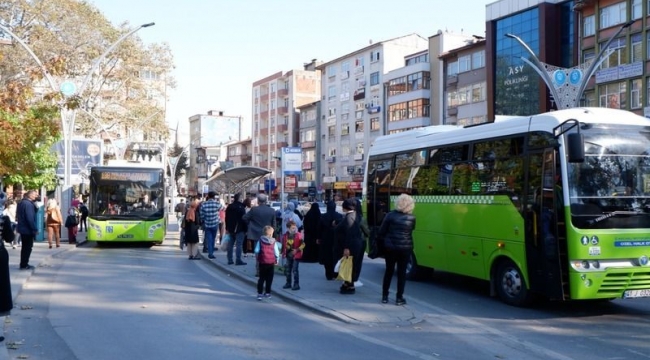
[[85, 153]]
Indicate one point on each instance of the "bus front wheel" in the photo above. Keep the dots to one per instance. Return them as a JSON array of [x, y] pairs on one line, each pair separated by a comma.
[[415, 271], [511, 285]]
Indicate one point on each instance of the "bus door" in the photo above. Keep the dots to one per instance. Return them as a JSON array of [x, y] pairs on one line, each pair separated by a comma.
[[545, 226]]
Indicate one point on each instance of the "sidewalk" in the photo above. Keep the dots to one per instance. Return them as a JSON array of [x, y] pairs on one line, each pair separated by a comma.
[[40, 252]]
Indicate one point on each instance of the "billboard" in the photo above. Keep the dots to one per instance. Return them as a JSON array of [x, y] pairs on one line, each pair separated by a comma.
[[292, 160], [85, 153]]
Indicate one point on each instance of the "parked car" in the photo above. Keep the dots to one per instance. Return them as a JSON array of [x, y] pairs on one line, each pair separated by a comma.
[[276, 205]]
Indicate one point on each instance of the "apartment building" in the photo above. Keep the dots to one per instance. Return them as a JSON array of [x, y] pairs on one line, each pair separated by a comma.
[[465, 85], [276, 99], [309, 183], [351, 109], [209, 135]]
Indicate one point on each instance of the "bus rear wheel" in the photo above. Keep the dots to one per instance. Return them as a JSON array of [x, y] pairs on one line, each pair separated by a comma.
[[511, 285]]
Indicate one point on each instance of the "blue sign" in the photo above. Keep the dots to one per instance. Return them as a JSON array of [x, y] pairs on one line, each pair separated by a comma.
[[68, 88], [559, 76], [575, 76], [291, 160], [269, 185]]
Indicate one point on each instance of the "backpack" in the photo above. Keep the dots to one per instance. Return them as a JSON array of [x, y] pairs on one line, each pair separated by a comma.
[[177, 208], [84, 210], [71, 221]]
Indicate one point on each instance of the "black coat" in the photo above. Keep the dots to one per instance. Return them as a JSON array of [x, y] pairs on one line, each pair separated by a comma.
[[311, 224], [396, 231], [327, 235], [234, 214], [191, 232], [6, 301]]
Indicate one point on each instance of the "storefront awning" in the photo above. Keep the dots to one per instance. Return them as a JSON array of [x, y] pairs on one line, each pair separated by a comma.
[[236, 179]]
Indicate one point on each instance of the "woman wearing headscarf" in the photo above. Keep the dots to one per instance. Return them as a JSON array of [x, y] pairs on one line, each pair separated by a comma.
[[327, 238], [191, 225], [350, 242], [311, 224], [53, 221], [365, 231]]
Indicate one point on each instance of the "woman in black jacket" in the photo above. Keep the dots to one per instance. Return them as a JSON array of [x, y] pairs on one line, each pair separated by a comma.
[[350, 242], [311, 224], [396, 233], [327, 238]]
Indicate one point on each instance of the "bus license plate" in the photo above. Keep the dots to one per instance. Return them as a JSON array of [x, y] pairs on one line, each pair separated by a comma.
[[629, 294]]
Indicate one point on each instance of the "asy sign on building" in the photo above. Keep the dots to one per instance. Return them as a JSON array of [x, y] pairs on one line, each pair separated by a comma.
[[292, 160]]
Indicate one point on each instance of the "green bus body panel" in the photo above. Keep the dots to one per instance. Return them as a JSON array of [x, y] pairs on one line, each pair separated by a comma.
[[461, 233], [127, 230], [615, 245]]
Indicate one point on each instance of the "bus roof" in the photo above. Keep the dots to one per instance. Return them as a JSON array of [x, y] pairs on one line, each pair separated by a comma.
[[502, 126], [135, 164]]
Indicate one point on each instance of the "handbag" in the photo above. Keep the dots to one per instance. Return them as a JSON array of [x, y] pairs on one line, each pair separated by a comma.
[[345, 269], [225, 240]]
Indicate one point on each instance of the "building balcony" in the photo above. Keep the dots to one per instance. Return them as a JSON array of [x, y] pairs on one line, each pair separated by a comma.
[[264, 114], [283, 110], [308, 144], [452, 79], [282, 128], [283, 92], [281, 144]]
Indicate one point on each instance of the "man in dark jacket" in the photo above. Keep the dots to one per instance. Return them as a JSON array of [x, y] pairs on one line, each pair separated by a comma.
[[235, 228], [256, 219], [26, 218]]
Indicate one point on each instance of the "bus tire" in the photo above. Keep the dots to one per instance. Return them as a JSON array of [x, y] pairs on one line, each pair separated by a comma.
[[511, 285], [415, 271]]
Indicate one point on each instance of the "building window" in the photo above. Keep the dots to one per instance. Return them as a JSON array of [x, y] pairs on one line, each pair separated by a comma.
[[358, 114], [636, 9], [408, 110], [360, 148], [331, 71], [331, 112], [331, 92], [345, 130], [331, 131], [613, 15], [613, 95], [358, 126], [332, 151], [478, 92], [345, 108], [590, 99], [452, 68], [464, 63], [589, 25], [345, 150], [374, 123], [478, 59], [618, 57], [374, 78], [636, 94], [637, 48], [374, 56]]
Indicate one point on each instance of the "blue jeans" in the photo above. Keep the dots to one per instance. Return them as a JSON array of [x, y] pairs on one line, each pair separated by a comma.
[[239, 239], [209, 235], [291, 266]]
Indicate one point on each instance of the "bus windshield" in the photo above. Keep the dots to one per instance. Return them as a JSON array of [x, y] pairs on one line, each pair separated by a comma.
[[126, 193], [611, 188]]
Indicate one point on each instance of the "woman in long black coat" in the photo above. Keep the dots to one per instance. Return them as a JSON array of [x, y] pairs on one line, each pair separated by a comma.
[[191, 224], [350, 242], [6, 235], [327, 239], [311, 224]]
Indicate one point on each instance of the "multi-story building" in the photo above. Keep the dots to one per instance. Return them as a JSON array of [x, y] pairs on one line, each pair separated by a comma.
[[309, 129], [407, 94], [351, 109], [514, 88], [208, 133], [240, 153], [465, 88], [275, 117]]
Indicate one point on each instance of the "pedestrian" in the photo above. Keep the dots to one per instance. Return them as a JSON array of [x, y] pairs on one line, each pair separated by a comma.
[[83, 223], [365, 231], [53, 221], [6, 299], [311, 223], [256, 219], [10, 211], [350, 242], [396, 233], [180, 209], [290, 215], [190, 224], [222, 220], [267, 253], [292, 248], [247, 247], [236, 229], [210, 218], [71, 222], [26, 218], [327, 239]]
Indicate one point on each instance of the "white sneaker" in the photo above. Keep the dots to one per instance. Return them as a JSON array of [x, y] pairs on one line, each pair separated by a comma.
[[358, 283]]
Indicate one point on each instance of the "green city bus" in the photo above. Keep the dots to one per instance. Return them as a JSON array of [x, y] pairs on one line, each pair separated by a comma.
[[555, 204], [127, 204]]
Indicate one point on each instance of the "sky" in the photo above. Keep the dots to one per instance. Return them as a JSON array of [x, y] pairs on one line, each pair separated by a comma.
[[221, 47]]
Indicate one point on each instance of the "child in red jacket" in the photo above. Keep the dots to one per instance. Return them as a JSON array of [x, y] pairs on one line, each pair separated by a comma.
[[292, 246]]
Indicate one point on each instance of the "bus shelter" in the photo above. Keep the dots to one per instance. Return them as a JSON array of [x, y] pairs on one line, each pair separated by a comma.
[[236, 179]]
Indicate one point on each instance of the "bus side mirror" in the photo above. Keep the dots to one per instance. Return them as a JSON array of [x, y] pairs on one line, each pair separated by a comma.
[[576, 148]]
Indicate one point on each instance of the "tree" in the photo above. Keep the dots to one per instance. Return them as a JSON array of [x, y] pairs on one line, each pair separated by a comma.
[[182, 165]]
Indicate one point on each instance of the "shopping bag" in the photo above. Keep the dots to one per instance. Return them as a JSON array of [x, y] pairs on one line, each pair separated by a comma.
[[338, 265], [345, 270], [225, 240]]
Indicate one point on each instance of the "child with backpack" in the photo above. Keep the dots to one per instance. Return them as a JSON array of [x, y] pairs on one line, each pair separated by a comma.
[[267, 253]]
